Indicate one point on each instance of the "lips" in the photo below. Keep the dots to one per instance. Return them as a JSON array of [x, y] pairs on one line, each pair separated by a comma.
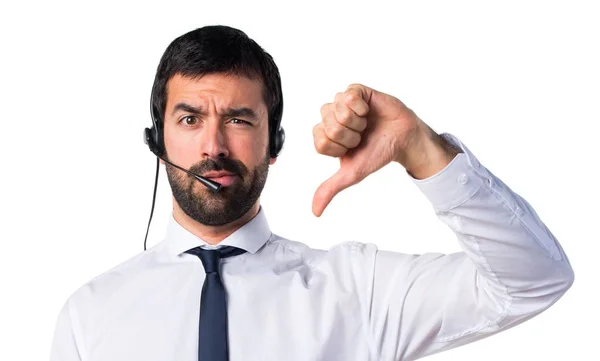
[[223, 178], [214, 174]]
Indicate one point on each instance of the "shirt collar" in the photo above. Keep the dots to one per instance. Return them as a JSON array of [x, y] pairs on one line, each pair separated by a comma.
[[250, 237]]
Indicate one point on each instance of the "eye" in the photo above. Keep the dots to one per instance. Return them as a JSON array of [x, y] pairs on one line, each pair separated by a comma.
[[189, 120], [240, 121]]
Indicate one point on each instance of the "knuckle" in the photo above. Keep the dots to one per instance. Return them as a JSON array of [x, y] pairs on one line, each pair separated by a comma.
[[352, 96], [345, 120], [321, 144], [336, 133], [342, 114], [354, 88]]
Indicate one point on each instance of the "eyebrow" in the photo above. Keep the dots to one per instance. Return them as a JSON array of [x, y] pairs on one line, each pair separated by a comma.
[[229, 112]]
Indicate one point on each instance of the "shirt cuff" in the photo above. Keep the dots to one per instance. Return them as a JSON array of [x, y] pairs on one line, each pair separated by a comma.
[[457, 182]]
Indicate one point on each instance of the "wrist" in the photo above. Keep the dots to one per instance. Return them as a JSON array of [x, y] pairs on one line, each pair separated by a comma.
[[428, 154]]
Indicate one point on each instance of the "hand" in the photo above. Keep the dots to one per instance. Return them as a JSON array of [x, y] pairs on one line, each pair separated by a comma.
[[366, 130]]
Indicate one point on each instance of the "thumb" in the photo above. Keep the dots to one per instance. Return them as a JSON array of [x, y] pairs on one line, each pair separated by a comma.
[[328, 189]]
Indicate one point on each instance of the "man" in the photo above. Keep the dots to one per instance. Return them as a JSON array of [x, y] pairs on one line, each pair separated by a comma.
[[221, 286]]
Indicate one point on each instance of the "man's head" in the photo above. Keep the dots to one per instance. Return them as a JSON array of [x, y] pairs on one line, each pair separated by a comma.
[[215, 98]]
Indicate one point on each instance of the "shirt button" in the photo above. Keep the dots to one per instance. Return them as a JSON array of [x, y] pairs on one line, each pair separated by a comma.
[[462, 179], [519, 212]]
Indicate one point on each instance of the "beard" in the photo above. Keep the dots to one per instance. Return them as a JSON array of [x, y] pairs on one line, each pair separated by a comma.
[[229, 203]]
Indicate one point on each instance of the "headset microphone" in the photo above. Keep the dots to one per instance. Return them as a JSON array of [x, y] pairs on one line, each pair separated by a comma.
[[151, 142], [212, 185]]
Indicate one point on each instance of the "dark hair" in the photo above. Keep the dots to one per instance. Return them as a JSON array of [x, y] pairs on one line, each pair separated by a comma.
[[217, 49]]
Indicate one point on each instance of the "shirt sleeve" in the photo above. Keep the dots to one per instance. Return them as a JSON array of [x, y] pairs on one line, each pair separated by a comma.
[[511, 268], [64, 343]]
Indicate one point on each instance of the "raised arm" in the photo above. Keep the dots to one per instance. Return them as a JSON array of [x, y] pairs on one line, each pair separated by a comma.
[[511, 268]]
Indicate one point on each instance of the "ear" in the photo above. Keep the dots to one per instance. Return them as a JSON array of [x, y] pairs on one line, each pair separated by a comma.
[[272, 161]]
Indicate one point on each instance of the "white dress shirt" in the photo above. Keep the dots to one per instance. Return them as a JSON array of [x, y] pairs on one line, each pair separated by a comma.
[[287, 301]]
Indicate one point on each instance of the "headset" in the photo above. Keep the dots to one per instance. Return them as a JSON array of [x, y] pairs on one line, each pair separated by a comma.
[[153, 137]]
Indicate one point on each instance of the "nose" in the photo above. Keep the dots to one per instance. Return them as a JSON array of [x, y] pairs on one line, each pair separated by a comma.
[[214, 143]]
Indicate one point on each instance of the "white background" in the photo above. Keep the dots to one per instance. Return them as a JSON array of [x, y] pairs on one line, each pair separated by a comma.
[[517, 81]]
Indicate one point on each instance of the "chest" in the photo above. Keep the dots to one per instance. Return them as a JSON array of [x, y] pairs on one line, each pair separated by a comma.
[[290, 316]]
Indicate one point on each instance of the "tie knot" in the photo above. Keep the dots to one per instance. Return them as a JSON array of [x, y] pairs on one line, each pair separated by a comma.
[[210, 257]]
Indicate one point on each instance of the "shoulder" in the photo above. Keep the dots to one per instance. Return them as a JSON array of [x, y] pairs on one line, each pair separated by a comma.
[[344, 251], [115, 281]]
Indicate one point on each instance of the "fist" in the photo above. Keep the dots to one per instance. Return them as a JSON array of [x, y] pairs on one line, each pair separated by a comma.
[[366, 130], [343, 122]]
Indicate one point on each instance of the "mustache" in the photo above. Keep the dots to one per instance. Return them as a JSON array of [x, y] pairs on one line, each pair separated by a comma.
[[220, 164]]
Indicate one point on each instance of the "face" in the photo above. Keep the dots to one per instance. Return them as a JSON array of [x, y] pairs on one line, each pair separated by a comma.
[[217, 127]]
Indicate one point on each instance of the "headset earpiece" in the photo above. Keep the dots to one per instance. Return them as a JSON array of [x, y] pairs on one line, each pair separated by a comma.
[[276, 143], [152, 136], [150, 140], [276, 133]]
